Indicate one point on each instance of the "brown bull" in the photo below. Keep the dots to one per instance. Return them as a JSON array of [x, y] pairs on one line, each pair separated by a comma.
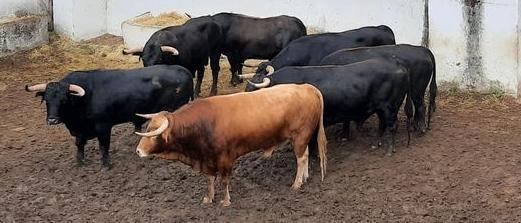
[[210, 134]]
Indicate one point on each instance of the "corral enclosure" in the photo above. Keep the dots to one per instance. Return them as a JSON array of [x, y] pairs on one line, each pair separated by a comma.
[[475, 42], [465, 169]]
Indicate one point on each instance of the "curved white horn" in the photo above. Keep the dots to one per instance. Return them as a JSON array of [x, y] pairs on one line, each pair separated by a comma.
[[78, 91], [265, 83], [270, 70], [170, 49], [132, 51], [38, 87], [148, 116], [250, 66], [247, 76], [158, 131]]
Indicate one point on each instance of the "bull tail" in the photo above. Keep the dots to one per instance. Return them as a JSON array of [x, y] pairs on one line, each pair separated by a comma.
[[433, 91], [409, 113], [321, 139]]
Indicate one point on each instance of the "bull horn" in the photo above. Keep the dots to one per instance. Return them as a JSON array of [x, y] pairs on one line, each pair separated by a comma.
[[38, 87], [77, 90], [247, 65], [265, 83], [169, 49], [132, 51], [158, 131], [270, 70], [246, 76], [148, 116]]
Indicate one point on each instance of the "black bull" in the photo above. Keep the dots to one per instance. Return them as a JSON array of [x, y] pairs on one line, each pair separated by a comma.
[[246, 37], [418, 60], [188, 45], [89, 103], [310, 50], [352, 92]]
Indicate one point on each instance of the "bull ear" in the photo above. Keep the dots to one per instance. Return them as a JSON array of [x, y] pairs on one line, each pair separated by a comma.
[[39, 94]]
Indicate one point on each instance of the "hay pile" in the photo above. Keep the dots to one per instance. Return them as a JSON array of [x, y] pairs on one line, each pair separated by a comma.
[[165, 19]]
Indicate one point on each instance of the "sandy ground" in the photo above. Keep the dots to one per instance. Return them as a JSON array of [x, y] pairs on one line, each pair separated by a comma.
[[465, 169]]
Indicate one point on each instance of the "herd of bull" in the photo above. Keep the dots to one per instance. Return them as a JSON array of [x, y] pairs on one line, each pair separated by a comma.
[[308, 82]]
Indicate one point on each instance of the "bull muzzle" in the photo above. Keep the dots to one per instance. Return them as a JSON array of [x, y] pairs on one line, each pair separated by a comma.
[[53, 121], [140, 153]]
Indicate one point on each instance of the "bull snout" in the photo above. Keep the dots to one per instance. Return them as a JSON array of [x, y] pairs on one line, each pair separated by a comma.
[[53, 121], [140, 153]]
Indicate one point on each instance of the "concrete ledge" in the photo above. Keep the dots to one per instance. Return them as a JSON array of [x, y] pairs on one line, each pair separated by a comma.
[[18, 34]]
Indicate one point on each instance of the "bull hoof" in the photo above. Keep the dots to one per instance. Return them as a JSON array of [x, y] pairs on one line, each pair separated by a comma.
[[105, 166], [389, 154], [234, 83], [80, 163], [296, 186], [225, 203], [207, 200]]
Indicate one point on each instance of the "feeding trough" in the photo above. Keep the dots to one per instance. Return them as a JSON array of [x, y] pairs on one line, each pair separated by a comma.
[[22, 33], [137, 30]]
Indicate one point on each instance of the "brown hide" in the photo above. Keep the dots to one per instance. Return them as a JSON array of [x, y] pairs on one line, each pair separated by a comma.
[[211, 133]]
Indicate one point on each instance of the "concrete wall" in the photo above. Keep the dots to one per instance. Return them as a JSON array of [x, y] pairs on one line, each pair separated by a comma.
[[10, 7], [476, 43]]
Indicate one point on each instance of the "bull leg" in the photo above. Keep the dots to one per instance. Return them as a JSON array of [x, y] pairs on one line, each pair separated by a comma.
[[302, 156], [419, 114], [381, 129], [104, 144], [214, 64], [211, 190], [346, 130], [239, 72], [391, 127], [234, 68], [226, 183], [200, 76], [80, 152], [306, 167]]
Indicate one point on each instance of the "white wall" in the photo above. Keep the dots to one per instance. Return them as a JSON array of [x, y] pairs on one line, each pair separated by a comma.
[[488, 58], [10, 7], [497, 44], [80, 19], [404, 16]]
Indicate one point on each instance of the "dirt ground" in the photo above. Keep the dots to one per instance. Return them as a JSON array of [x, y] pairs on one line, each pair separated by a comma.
[[465, 169]]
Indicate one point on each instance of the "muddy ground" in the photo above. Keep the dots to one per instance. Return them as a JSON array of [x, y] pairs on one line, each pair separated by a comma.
[[465, 169]]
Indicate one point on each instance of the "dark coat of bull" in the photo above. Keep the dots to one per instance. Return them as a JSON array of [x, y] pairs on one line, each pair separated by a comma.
[[310, 50], [189, 45], [351, 92], [246, 37], [89, 103], [417, 59]]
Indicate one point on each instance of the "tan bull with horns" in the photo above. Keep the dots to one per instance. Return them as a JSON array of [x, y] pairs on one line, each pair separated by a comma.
[[210, 134]]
